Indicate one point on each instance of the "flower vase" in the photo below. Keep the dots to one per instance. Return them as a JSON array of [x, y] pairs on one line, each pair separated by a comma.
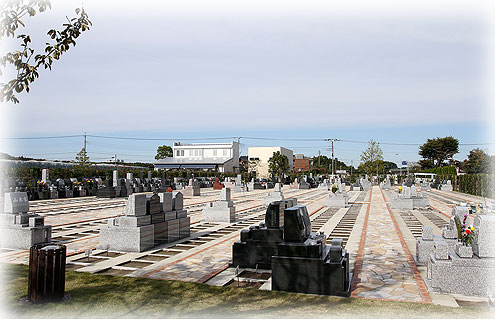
[[463, 251]]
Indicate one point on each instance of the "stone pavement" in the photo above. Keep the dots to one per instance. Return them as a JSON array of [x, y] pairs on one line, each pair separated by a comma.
[[384, 267]]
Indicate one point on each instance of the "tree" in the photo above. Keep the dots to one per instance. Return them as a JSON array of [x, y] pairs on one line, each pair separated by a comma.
[[439, 150], [426, 164], [278, 165], [372, 159], [478, 161], [82, 158], [253, 164], [321, 162], [26, 69], [164, 152]]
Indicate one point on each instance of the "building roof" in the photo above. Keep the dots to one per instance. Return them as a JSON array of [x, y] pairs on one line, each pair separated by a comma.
[[176, 163]]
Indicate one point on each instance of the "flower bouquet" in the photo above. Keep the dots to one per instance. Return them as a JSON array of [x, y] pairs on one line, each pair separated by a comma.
[[465, 236]]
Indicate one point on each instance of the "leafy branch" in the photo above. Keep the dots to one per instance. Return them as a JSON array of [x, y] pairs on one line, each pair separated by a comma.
[[12, 12]]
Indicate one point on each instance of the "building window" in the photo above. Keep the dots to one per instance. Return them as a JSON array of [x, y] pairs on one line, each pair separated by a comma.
[[214, 152], [182, 153], [224, 152], [178, 152], [190, 152]]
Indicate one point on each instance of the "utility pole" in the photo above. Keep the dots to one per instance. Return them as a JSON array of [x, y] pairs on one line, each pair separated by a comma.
[[319, 158], [85, 142], [333, 156], [351, 170]]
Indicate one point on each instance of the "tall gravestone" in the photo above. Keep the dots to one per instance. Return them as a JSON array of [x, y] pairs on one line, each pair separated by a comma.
[[148, 221]]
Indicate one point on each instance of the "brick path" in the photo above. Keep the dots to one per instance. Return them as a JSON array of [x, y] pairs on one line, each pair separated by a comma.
[[385, 269]]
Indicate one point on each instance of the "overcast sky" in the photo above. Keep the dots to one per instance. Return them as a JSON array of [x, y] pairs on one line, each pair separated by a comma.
[[399, 72]]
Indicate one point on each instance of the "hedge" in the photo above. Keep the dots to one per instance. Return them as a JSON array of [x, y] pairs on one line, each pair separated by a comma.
[[480, 184], [448, 170]]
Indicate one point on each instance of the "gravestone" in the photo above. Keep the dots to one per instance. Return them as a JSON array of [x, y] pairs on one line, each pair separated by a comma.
[[447, 186], [408, 199], [483, 244], [45, 175], [192, 189], [149, 220], [20, 229], [222, 210], [259, 243], [275, 195], [304, 263], [217, 185]]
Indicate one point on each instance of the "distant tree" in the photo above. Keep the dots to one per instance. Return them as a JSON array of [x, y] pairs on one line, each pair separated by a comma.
[[82, 159], [252, 165], [321, 162], [389, 165], [164, 152], [426, 164], [439, 150], [478, 161], [278, 165], [372, 159], [26, 69]]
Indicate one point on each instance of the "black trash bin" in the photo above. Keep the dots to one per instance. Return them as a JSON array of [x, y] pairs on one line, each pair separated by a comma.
[[47, 268]]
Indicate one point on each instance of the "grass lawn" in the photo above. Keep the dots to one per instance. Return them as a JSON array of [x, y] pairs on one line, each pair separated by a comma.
[[103, 296]]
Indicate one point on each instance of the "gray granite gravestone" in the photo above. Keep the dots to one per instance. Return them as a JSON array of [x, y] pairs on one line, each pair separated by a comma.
[[222, 210], [20, 229]]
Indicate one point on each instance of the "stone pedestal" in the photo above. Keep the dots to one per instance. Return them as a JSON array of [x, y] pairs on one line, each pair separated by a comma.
[[222, 210], [275, 195], [336, 200]]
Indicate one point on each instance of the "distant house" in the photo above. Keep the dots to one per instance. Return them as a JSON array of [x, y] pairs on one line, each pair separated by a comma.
[[258, 159], [220, 157], [301, 163]]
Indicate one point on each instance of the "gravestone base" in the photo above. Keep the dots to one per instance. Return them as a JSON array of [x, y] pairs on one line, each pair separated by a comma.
[[312, 275], [130, 239], [191, 191], [446, 187], [353, 188], [219, 211], [401, 203], [424, 250], [304, 185], [386, 186], [334, 200], [420, 203], [468, 276], [273, 196], [23, 237]]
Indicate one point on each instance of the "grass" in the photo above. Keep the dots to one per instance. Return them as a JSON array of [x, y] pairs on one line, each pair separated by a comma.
[[101, 296]]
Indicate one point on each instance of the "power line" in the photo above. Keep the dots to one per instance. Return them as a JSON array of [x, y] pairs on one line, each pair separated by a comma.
[[158, 139], [35, 138]]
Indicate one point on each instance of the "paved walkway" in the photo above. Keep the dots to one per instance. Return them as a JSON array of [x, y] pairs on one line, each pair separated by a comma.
[[384, 268]]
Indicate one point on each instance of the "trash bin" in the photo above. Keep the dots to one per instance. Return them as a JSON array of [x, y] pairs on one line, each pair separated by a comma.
[[47, 268]]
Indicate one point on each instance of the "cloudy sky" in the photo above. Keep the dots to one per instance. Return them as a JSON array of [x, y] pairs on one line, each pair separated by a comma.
[[398, 72]]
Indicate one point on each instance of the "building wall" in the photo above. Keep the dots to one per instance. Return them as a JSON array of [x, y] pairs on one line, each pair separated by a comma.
[[264, 154], [210, 151], [301, 165]]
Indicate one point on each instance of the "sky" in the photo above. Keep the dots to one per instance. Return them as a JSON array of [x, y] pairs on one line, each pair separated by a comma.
[[287, 71]]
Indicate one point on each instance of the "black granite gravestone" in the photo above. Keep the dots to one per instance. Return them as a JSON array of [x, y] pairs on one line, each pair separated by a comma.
[[259, 243], [305, 264]]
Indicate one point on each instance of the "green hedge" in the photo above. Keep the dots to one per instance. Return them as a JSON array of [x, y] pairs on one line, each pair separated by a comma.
[[480, 184], [448, 170]]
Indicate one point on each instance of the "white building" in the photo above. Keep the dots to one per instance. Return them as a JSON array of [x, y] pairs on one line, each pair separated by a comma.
[[222, 157], [258, 158]]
